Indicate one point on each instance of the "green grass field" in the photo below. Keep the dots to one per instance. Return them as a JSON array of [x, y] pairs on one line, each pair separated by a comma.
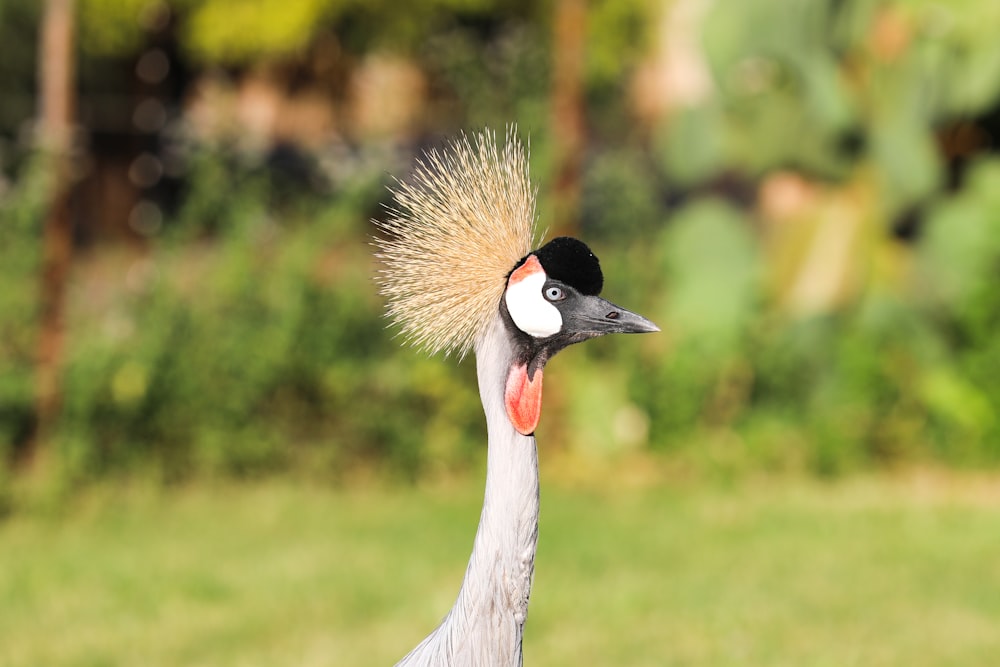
[[865, 572]]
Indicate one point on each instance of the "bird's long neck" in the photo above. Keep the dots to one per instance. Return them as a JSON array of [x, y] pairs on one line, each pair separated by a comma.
[[485, 625]]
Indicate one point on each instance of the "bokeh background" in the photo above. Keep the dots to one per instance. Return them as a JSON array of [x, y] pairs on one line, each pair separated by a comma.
[[803, 194]]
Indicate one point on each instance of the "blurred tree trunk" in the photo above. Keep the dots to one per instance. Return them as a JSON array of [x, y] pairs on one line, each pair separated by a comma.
[[56, 69], [568, 129]]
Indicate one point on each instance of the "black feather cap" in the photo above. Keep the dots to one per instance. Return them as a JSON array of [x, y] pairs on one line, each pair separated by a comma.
[[570, 261]]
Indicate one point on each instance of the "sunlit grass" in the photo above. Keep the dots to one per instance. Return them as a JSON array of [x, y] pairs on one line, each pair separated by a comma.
[[858, 573]]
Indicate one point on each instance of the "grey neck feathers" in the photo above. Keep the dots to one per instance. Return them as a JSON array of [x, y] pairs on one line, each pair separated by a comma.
[[485, 626]]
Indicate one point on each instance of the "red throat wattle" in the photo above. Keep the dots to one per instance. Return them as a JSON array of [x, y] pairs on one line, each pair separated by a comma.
[[523, 399]]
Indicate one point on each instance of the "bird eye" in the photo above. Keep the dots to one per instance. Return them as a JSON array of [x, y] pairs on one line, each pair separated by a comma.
[[554, 294]]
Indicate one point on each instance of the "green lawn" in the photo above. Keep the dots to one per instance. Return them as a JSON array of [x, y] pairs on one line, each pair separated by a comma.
[[864, 572]]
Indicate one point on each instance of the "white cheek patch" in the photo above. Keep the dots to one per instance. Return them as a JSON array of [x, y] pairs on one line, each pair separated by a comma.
[[527, 307]]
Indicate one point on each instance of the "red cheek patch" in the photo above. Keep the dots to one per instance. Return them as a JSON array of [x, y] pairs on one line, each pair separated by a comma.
[[523, 399], [531, 266]]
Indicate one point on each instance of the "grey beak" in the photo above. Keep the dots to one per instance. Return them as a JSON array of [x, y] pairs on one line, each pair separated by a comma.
[[625, 321], [596, 317]]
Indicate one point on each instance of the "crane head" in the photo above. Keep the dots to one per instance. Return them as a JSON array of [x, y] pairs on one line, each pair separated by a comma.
[[551, 301], [457, 253]]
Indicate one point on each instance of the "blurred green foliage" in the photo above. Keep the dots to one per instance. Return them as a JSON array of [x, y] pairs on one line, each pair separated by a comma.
[[239, 32], [21, 209], [254, 348], [804, 336]]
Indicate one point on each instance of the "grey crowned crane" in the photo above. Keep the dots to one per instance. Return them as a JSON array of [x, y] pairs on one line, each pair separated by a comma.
[[459, 273]]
